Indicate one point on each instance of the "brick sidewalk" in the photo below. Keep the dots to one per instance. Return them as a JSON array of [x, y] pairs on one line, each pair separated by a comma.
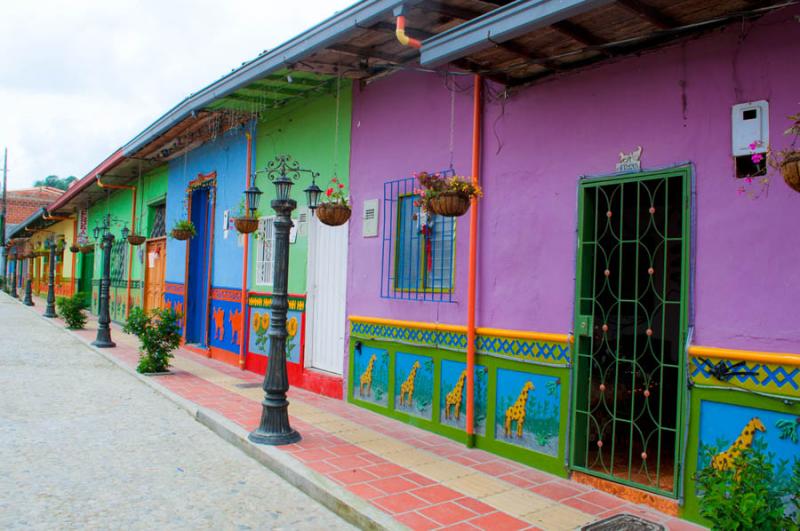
[[423, 480]]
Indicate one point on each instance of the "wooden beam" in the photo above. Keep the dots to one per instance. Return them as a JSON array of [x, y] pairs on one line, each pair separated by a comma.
[[449, 10], [519, 51], [650, 14], [295, 81], [580, 34], [369, 53]]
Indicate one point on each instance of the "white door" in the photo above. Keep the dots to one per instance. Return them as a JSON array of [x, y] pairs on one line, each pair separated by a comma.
[[327, 283]]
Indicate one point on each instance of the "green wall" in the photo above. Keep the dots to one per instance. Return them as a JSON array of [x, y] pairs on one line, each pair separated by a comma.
[[151, 189], [305, 130]]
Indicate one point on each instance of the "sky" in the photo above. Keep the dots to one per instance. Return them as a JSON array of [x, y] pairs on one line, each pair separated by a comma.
[[80, 78]]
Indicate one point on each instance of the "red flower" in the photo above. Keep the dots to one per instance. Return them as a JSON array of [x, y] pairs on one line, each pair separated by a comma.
[[341, 185], [329, 192]]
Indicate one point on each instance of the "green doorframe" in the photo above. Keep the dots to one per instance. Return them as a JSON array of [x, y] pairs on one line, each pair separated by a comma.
[[584, 353]]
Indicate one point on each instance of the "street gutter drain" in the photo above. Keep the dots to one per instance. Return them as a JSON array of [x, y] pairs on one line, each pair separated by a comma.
[[623, 522]]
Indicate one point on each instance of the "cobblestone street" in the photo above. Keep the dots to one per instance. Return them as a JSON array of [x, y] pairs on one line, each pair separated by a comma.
[[84, 445]]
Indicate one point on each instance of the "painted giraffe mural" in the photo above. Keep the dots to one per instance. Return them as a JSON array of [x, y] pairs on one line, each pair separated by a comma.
[[724, 460], [366, 377], [407, 388], [453, 398], [517, 411]]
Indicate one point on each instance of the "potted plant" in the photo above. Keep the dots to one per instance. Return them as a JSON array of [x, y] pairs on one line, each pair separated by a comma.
[[71, 309], [136, 239], [159, 334], [183, 230], [787, 160], [246, 222], [87, 248], [335, 207], [445, 196], [74, 248]]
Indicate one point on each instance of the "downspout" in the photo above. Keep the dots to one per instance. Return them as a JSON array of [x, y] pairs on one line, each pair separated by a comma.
[[404, 39], [133, 227], [477, 110], [242, 336]]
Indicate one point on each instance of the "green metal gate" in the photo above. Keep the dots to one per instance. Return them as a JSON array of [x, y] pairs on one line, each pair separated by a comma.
[[630, 329]]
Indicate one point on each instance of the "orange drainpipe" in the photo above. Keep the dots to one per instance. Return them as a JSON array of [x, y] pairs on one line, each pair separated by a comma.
[[242, 336], [477, 105], [404, 39], [133, 227], [74, 255]]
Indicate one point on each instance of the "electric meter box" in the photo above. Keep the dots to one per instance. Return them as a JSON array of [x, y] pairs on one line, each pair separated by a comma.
[[750, 124]]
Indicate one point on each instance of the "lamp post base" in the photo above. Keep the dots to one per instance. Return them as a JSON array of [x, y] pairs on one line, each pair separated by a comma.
[[274, 439], [103, 339], [49, 312]]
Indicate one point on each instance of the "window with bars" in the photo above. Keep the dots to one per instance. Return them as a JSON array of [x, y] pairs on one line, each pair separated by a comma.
[[418, 248], [265, 254], [159, 228]]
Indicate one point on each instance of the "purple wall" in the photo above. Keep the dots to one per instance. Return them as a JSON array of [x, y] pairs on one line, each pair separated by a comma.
[[676, 103]]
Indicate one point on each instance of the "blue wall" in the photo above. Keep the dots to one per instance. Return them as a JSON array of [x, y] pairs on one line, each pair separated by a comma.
[[228, 157]]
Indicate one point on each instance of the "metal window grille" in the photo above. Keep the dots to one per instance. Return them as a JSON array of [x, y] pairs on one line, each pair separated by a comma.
[[159, 225], [417, 255], [119, 260], [265, 256]]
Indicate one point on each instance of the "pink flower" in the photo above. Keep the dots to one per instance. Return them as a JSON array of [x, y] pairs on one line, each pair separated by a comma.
[[748, 180], [756, 158], [753, 145], [329, 192]]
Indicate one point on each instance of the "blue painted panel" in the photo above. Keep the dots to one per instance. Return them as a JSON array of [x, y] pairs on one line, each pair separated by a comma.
[[413, 384], [454, 412], [721, 424], [175, 302], [542, 410], [224, 315], [371, 375], [197, 291], [259, 341]]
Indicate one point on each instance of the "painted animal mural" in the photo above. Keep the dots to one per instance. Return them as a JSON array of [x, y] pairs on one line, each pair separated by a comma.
[[219, 327], [366, 377], [454, 398], [724, 460], [517, 411], [235, 320], [407, 388]]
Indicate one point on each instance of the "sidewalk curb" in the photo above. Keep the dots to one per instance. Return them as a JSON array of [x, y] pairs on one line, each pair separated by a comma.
[[339, 500]]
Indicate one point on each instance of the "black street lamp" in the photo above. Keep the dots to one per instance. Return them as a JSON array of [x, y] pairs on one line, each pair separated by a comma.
[[28, 301], [14, 279], [50, 310], [5, 269], [103, 234], [274, 428]]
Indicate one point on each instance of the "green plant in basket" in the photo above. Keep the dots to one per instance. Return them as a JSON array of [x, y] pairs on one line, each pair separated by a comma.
[[159, 335]]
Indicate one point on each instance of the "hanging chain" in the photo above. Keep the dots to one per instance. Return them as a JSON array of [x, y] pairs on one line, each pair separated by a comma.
[[336, 127], [452, 122]]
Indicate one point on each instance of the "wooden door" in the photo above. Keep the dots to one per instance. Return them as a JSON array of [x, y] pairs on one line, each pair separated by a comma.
[[155, 268]]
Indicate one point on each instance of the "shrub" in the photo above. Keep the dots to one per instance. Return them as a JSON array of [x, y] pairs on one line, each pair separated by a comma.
[[158, 333], [746, 495], [71, 310]]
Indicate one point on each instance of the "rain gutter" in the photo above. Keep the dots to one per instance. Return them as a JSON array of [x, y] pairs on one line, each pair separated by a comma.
[[500, 25]]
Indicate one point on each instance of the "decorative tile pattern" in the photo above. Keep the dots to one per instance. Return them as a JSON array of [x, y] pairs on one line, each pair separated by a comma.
[[226, 294], [175, 288], [525, 350], [766, 378]]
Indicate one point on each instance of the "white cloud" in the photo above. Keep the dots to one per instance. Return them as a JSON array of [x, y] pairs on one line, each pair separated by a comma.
[[79, 78]]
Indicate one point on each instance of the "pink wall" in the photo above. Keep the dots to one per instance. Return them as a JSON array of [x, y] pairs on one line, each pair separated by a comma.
[[676, 103]]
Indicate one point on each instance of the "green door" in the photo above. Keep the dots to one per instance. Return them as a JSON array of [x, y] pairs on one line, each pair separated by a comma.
[[87, 272], [630, 328]]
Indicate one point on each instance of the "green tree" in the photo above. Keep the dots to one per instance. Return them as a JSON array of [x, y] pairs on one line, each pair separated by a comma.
[[54, 181]]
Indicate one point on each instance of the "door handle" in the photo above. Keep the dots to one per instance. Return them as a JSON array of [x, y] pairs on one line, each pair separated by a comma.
[[583, 326]]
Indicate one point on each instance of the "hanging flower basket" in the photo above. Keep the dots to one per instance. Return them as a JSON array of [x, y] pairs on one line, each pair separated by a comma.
[[86, 249], [246, 225], [181, 234], [790, 169], [136, 239], [449, 204], [333, 214], [74, 248]]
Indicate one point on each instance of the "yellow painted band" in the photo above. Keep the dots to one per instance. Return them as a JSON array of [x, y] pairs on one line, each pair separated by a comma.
[[770, 358], [438, 327]]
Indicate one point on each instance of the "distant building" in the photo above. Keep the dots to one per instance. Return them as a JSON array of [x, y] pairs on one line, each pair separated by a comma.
[[23, 203]]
